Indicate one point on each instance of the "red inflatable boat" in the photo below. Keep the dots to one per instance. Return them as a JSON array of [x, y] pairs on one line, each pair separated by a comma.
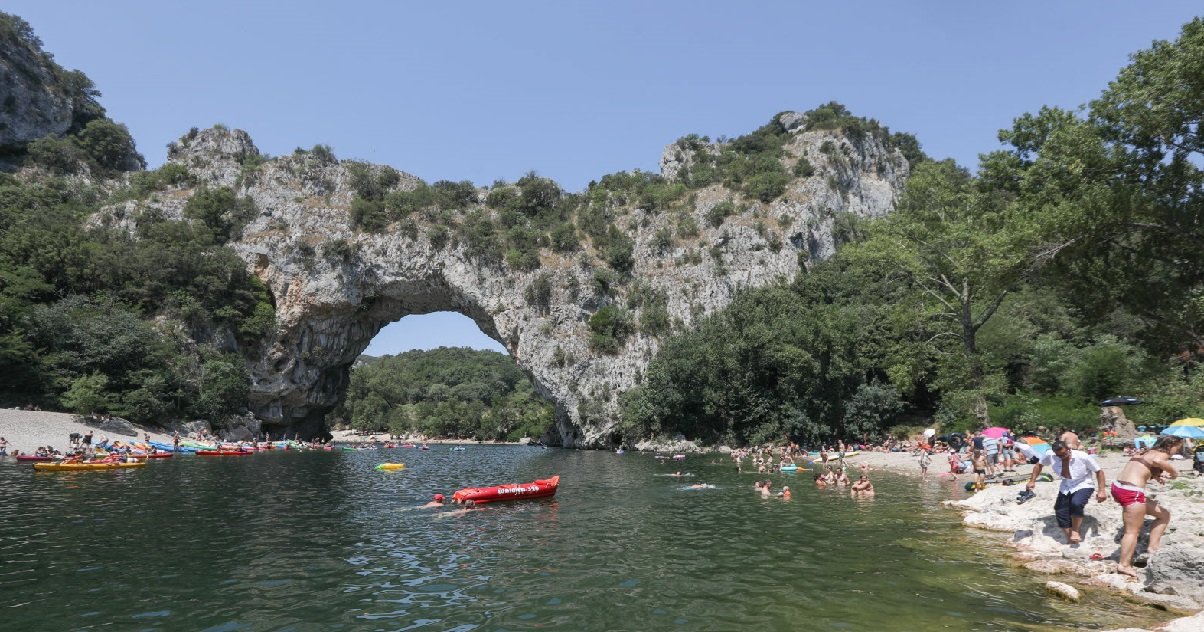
[[513, 491]]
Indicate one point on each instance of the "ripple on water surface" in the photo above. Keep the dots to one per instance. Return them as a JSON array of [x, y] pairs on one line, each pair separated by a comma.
[[323, 541]]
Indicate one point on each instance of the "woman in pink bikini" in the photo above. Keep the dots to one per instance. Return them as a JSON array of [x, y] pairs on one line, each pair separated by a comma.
[[1129, 491]]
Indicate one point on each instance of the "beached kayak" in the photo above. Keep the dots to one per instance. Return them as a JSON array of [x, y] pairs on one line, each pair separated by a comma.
[[514, 491], [789, 468], [35, 459], [222, 453], [391, 466], [72, 467]]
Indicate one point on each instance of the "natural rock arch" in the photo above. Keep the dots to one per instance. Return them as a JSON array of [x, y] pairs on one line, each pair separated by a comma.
[[335, 286]]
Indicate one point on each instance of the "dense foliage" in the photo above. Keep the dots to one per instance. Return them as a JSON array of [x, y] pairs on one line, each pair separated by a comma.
[[1066, 271], [148, 320], [447, 392]]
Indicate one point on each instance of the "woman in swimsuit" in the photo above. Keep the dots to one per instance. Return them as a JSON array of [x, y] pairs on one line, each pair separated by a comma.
[[1129, 491]]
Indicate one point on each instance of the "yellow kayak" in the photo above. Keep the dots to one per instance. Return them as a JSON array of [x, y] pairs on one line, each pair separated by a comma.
[[71, 467], [391, 466]]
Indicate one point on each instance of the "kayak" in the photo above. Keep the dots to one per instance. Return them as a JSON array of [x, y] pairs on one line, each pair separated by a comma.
[[513, 491], [156, 455], [30, 457], [222, 453], [458, 448], [789, 468], [167, 447], [71, 467], [385, 467]]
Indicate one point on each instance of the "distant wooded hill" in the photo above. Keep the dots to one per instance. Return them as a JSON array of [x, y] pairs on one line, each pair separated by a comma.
[[446, 392]]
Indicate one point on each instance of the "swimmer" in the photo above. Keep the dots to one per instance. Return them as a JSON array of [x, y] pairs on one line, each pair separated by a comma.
[[863, 487], [785, 492], [765, 489], [842, 478], [436, 501]]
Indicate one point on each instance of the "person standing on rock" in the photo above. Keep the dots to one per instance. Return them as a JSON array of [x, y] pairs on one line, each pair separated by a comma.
[[1077, 469], [1129, 491]]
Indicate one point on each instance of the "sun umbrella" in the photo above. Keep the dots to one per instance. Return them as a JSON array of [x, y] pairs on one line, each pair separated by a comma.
[[995, 432], [1032, 446], [1190, 421], [1187, 432]]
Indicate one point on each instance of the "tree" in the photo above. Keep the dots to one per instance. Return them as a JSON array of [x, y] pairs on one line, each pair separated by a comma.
[[87, 394], [110, 145], [1114, 200], [951, 238]]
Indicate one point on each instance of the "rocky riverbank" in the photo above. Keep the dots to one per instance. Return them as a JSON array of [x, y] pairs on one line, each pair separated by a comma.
[[1174, 578]]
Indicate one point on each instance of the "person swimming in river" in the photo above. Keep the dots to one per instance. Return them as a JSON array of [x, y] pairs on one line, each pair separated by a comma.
[[820, 481], [863, 487], [842, 478], [436, 501]]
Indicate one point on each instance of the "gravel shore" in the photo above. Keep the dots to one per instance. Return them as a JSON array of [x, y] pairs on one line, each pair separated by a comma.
[[26, 430]]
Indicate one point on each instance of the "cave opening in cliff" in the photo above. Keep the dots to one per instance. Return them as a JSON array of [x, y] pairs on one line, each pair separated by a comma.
[[438, 375]]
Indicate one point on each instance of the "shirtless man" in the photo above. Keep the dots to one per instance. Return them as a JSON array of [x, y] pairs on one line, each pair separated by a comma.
[[1129, 491], [863, 487], [842, 478], [436, 501]]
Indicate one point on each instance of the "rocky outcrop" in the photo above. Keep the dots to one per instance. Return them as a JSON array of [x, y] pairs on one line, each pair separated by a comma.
[[1174, 577], [335, 286], [37, 96]]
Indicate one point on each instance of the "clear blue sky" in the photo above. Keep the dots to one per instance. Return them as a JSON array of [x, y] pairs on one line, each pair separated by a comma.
[[574, 90]]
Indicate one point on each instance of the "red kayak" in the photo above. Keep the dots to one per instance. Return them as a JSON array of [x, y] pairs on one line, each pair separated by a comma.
[[222, 453], [156, 455], [30, 457], [513, 491]]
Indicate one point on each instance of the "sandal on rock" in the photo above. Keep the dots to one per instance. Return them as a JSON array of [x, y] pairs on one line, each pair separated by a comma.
[[1142, 560]]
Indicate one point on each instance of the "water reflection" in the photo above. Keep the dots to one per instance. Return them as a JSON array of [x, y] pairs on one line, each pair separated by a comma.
[[324, 541]]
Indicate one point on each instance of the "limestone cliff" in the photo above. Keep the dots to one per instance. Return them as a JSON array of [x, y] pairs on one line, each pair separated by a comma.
[[37, 96], [336, 284]]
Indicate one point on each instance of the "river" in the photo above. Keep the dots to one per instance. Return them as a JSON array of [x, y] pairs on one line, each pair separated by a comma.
[[323, 541]]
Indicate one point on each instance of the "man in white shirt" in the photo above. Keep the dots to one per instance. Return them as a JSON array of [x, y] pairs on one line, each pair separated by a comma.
[[1076, 470]]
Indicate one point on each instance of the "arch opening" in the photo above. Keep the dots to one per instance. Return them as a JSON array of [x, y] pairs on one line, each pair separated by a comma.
[[438, 375]]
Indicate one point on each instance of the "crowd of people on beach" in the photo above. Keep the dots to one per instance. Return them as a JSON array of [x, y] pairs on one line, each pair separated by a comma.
[[1080, 478]]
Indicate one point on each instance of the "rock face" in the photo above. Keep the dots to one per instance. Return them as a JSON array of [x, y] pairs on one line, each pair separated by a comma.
[[1174, 578], [335, 286], [37, 97]]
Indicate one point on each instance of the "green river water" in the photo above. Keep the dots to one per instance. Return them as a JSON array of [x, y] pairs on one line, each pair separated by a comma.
[[322, 541]]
